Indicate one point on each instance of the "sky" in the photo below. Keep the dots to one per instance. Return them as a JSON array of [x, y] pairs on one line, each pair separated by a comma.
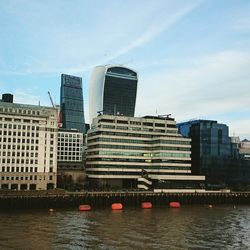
[[192, 57]]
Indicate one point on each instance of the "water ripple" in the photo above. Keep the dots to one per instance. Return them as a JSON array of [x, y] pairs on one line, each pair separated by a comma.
[[190, 227]]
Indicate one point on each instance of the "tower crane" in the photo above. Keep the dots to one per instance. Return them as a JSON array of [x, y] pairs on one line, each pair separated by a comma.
[[59, 118], [52, 103]]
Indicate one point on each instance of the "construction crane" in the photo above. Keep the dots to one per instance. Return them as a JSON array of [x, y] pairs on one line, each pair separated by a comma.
[[52, 103], [59, 118]]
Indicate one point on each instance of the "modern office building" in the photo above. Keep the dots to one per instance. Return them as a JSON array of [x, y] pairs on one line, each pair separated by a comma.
[[121, 150], [239, 167], [112, 91], [28, 143], [211, 148], [70, 159], [71, 102], [244, 149], [235, 144], [70, 146]]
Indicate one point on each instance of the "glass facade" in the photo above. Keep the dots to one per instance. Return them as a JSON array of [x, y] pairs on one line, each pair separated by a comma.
[[119, 96], [210, 147], [71, 101], [112, 91]]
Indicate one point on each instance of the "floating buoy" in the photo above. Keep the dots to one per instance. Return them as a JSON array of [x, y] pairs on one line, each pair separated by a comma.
[[84, 208], [210, 206], [116, 206], [174, 204], [146, 205], [51, 210]]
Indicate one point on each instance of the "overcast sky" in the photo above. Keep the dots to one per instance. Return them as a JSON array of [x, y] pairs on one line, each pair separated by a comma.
[[192, 57]]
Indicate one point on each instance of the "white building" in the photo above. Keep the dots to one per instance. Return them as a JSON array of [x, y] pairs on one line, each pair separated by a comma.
[[70, 159], [120, 150], [28, 146], [245, 149], [70, 146]]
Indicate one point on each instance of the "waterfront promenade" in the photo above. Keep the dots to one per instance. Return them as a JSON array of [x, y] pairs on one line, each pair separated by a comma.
[[63, 199]]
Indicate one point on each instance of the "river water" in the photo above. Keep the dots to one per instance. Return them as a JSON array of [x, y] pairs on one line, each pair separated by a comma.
[[190, 227]]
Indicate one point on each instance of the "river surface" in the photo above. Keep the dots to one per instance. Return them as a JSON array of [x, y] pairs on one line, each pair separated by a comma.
[[190, 227]]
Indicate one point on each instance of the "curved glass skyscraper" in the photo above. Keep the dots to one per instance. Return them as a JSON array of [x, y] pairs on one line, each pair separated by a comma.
[[112, 91], [71, 101]]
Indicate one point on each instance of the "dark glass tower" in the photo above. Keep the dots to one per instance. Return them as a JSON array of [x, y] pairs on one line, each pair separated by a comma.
[[71, 102], [113, 91], [210, 148]]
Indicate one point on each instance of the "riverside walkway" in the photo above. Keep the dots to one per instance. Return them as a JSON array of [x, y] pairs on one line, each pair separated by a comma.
[[98, 199]]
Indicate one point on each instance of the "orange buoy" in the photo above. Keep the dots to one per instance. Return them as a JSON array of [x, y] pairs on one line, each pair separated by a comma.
[[51, 210], [116, 206], [174, 204], [146, 205], [210, 206], [84, 208]]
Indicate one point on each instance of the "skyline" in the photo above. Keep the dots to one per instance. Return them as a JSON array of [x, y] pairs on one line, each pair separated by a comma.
[[196, 54]]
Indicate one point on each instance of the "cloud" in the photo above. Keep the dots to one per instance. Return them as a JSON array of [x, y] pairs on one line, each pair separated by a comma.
[[162, 22], [74, 41], [26, 96], [240, 128], [205, 86], [163, 19]]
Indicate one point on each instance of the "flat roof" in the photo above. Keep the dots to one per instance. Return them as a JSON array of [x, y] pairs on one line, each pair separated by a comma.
[[21, 105]]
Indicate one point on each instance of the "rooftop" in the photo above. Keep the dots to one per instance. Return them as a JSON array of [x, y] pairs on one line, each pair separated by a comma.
[[21, 105]]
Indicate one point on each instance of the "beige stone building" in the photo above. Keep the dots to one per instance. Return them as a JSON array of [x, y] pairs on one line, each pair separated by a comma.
[[28, 146]]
